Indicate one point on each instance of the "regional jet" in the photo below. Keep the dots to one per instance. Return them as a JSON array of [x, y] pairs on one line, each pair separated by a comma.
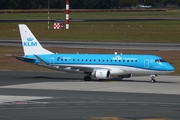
[[99, 66]]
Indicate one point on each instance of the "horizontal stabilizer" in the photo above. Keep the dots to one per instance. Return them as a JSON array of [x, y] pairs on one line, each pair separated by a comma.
[[21, 58]]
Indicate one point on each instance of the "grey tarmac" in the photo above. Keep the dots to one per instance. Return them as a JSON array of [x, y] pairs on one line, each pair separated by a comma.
[[65, 96], [100, 45]]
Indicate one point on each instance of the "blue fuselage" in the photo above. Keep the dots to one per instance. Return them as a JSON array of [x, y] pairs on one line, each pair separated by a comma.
[[138, 61]]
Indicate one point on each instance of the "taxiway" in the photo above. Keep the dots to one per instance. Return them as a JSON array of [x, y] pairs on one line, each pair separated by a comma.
[[55, 95]]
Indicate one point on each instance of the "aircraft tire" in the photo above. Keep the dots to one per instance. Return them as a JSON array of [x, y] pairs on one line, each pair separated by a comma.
[[153, 81], [87, 78]]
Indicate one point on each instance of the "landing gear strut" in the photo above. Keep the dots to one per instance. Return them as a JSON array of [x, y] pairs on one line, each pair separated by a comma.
[[153, 78], [87, 78]]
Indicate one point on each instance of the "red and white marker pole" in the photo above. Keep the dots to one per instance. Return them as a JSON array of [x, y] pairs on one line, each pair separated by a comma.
[[48, 14], [67, 14], [48, 19]]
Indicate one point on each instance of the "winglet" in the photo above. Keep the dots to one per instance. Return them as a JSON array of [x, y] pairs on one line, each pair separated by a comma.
[[30, 43]]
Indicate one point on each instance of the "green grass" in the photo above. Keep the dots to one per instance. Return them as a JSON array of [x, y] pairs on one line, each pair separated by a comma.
[[152, 31], [92, 15]]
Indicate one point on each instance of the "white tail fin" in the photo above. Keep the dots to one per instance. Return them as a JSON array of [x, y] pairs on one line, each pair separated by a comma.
[[30, 44]]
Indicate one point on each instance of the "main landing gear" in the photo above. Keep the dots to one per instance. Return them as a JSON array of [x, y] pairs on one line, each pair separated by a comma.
[[87, 78], [153, 78]]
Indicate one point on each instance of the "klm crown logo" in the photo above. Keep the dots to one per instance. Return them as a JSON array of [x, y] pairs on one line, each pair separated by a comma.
[[30, 42], [30, 39]]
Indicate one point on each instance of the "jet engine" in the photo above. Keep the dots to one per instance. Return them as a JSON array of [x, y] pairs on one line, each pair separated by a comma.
[[101, 74]]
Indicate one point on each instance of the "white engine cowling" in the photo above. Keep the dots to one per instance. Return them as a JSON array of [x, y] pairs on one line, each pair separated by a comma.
[[102, 74]]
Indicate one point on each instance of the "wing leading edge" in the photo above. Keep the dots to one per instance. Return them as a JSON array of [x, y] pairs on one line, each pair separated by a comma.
[[66, 68]]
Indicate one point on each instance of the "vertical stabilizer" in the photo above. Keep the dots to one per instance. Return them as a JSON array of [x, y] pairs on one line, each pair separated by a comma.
[[30, 44]]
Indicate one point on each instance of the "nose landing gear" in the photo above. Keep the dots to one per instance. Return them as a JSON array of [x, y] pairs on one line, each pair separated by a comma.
[[153, 78]]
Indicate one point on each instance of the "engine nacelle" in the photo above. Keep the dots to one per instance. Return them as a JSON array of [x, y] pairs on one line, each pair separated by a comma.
[[102, 74]]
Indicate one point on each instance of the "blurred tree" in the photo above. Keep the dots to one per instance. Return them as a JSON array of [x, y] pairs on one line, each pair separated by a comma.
[[150, 2], [81, 4], [128, 3], [165, 2], [97, 4], [76, 4], [3, 4], [57, 4], [114, 4], [178, 2]]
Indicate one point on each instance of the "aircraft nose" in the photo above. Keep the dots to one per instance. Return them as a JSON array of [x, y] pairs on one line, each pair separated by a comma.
[[170, 68]]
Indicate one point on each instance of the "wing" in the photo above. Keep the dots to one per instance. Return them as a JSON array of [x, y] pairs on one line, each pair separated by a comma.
[[66, 68]]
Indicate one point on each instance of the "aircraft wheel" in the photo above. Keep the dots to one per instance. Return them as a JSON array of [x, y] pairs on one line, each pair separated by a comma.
[[87, 78], [153, 78], [153, 81]]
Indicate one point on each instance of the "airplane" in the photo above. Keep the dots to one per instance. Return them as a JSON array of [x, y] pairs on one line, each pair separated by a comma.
[[100, 66]]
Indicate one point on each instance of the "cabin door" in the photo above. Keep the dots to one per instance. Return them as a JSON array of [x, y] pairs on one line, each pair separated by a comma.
[[51, 60], [146, 63]]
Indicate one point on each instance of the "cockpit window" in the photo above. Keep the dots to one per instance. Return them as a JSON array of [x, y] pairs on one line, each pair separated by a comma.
[[160, 60], [157, 60]]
